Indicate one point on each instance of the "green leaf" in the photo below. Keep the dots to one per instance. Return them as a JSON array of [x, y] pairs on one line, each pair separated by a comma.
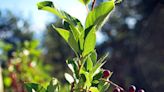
[[93, 89], [64, 33], [33, 87], [88, 80], [94, 57], [81, 41], [48, 6], [89, 64], [53, 86], [98, 75], [98, 65], [103, 86], [69, 78], [100, 14], [72, 64], [68, 37], [85, 2], [90, 42], [76, 32]]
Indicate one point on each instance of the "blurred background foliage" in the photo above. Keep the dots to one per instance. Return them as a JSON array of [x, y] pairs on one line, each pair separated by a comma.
[[133, 36]]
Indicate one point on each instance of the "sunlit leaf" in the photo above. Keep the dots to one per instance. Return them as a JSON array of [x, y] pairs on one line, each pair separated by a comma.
[[69, 38], [89, 64], [49, 6], [93, 89], [90, 42], [69, 78], [100, 14]]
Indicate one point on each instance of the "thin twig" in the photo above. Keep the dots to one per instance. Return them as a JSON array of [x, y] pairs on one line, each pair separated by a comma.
[[72, 87], [93, 4], [114, 84]]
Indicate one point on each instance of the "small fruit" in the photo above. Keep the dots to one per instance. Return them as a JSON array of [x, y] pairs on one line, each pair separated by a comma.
[[116, 89], [141, 90], [106, 73], [132, 88]]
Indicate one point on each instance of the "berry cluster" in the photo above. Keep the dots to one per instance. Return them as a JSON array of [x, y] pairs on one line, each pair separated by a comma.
[[132, 88]]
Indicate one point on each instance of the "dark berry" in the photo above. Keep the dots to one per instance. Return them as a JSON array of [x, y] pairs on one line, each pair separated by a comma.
[[132, 88], [106, 73], [116, 90], [141, 90]]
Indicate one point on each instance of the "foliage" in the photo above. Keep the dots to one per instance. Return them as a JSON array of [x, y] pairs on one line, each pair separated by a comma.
[[87, 72], [23, 65]]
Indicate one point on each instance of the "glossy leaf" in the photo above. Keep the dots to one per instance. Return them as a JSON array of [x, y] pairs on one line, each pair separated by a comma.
[[76, 32], [49, 6], [69, 38], [100, 14], [64, 33], [90, 42]]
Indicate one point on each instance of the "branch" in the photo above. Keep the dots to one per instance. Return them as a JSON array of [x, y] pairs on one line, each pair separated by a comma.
[[112, 83], [93, 4]]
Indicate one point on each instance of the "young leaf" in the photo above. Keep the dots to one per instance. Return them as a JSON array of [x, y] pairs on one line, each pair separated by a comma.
[[69, 38], [53, 86], [93, 89], [90, 42], [89, 64], [64, 33], [85, 2], [94, 57], [98, 65], [69, 78], [32, 87], [48, 6], [100, 14], [76, 32]]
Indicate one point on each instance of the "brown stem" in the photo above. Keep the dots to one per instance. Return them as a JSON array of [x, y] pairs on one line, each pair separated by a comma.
[[72, 87], [114, 84], [93, 4]]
